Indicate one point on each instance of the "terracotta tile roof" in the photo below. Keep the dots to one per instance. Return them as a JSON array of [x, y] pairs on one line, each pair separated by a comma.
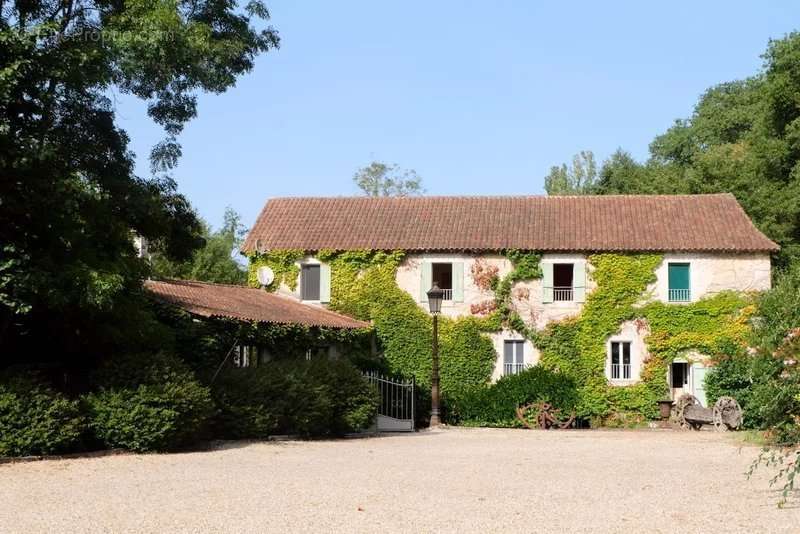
[[560, 223], [245, 303]]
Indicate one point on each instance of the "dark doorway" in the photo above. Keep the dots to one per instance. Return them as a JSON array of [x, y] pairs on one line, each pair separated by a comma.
[[678, 373]]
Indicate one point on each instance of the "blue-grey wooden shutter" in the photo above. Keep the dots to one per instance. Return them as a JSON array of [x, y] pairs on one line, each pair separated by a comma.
[[678, 274], [698, 382], [579, 281], [458, 281], [324, 283], [547, 282], [426, 279]]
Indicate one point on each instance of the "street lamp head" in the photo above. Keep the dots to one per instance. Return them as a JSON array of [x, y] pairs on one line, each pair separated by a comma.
[[435, 296]]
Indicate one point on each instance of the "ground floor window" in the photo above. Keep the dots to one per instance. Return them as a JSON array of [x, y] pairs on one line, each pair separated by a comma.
[[513, 357], [621, 360], [245, 356]]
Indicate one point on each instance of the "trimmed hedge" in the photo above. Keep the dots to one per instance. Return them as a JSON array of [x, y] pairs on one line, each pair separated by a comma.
[[496, 405], [311, 398], [35, 419], [147, 403]]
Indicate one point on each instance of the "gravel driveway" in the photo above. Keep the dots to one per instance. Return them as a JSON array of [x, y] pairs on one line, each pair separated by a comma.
[[466, 480]]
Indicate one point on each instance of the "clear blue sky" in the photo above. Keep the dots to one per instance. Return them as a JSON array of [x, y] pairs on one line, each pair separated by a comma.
[[477, 97]]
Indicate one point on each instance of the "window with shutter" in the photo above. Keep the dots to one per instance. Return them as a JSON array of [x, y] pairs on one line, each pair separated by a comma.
[[679, 282], [310, 282]]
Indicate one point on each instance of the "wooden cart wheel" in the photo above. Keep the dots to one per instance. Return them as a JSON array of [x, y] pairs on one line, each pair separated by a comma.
[[681, 404], [727, 414]]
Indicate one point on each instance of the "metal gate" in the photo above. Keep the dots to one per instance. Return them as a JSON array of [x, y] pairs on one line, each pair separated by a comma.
[[396, 407]]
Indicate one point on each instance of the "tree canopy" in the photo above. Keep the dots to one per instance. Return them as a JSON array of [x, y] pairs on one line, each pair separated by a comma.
[[213, 262], [578, 179], [69, 198], [387, 180]]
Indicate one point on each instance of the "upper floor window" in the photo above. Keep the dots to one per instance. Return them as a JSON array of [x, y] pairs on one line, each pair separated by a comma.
[[513, 357], [621, 360], [315, 282], [310, 282], [449, 276], [442, 274], [563, 282], [679, 282]]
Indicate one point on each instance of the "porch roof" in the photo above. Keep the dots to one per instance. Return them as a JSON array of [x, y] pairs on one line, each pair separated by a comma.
[[245, 304]]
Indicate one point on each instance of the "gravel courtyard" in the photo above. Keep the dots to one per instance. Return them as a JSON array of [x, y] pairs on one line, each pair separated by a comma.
[[466, 480]]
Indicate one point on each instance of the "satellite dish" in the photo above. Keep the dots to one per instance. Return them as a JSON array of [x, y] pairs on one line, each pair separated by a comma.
[[265, 276]]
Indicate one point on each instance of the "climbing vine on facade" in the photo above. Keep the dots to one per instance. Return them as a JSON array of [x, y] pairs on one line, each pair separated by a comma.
[[284, 263], [363, 285]]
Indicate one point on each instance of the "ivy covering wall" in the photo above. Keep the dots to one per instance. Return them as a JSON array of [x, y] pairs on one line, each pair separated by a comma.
[[363, 285], [284, 263]]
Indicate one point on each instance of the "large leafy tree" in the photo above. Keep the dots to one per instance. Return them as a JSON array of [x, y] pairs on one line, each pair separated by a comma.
[[69, 198], [213, 262]]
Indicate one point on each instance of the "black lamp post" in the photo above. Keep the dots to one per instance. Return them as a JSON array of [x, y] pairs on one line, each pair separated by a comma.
[[435, 296]]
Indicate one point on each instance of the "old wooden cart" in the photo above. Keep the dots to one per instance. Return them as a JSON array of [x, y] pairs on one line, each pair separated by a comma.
[[724, 415]]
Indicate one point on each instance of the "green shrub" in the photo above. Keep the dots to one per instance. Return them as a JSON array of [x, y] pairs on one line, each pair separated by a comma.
[[496, 405], [147, 403], [740, 376], [35, 419], [311, 398]]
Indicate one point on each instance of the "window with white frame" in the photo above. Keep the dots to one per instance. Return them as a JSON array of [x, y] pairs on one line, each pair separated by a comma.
[[513, 356], [245, 356], [620, 368]]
